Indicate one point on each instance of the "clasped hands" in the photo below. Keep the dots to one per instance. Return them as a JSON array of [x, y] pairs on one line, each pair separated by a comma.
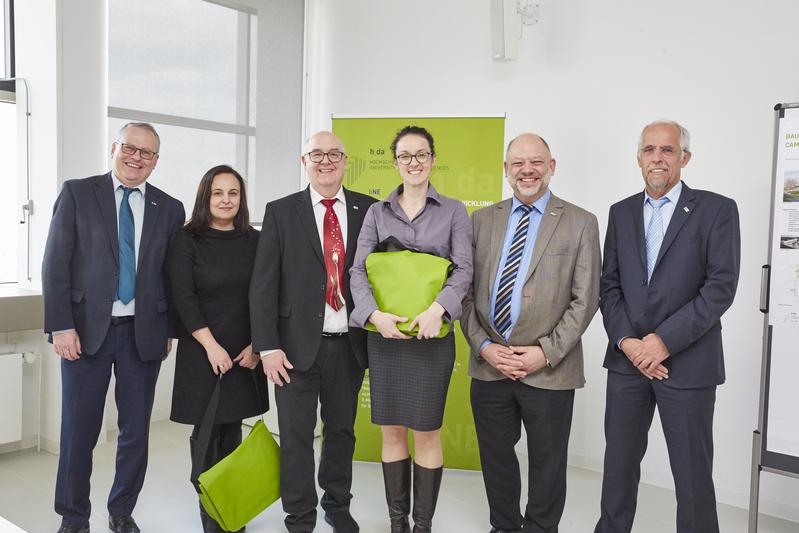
[[429, 322], [515, 362], [647, 355], [222, 363]]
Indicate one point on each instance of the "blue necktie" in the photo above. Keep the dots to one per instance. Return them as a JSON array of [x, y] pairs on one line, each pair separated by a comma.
[[127, 249], [508, 278], [654, 235]]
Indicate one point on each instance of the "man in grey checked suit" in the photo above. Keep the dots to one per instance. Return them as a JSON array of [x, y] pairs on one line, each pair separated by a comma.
[[535, 290]]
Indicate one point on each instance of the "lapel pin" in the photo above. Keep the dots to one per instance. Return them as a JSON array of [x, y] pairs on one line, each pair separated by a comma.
[[153, 202], [553, 213], [686, 209], [355, 207]]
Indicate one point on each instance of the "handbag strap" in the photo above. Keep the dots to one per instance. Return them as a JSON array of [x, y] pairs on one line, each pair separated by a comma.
[[204, 435]]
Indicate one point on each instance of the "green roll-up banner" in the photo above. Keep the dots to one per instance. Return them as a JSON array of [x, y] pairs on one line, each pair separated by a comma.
[[469, 153]]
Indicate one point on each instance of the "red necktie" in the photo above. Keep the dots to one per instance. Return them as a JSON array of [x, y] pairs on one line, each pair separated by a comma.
[[334, 257]]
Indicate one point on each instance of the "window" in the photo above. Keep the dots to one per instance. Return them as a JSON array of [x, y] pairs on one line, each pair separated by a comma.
[[6, 39], [9, 202], [191, 72]]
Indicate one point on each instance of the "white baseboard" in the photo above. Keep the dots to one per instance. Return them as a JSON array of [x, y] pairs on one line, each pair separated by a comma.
[[26, 443]]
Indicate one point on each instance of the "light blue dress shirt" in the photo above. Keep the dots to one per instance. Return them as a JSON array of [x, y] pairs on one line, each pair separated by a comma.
[[666, 211], [532, 232], [136, 202]]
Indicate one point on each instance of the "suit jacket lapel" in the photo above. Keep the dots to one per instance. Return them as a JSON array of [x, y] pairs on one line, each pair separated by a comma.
[[637, 215], [499, 224], [355, 214], [308, 222], [152, 215], [106, 201], [549, 221], [681, 213]]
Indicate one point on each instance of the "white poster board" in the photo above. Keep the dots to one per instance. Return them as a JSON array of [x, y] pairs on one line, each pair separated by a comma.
[[783, 313]]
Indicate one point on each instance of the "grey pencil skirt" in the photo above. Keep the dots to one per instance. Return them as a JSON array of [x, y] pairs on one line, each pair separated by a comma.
[[408, 380]]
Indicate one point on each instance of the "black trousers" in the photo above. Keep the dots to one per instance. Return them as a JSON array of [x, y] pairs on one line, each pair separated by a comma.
[[687, 419], [333, 380], [500, 408]]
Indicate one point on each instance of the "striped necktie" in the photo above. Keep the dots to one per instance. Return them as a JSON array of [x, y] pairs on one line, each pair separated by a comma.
[[507, 280], [654, 235]]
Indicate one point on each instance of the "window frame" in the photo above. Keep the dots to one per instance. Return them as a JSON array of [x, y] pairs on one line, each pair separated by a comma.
[[9, 62]]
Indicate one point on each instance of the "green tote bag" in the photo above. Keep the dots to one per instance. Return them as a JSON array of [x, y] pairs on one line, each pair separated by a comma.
[[247, 481], [240, 486], [405, 283]]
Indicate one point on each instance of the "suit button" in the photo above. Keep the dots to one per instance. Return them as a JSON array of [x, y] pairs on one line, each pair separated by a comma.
[[322, 287], [321, 315], [643, 282]]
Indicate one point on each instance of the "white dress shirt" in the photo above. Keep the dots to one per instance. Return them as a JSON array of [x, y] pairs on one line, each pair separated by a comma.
[[335, 321]]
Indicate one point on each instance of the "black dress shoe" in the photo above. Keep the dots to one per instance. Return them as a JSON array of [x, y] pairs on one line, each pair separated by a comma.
[[74, 529], [342, 522], [123, 524]]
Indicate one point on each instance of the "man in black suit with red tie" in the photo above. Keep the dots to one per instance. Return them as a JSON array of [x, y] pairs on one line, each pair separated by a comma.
[[671, 263], [106, 307], [299, 306]]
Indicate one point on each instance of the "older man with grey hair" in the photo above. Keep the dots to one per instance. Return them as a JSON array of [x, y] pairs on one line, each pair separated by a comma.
[[106, 308], [671, 263]]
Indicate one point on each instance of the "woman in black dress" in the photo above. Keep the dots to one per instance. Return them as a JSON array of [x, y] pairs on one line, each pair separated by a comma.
[[210, 265]]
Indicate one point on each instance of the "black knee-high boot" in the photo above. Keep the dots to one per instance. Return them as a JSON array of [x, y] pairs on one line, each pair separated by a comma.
[[397, 480], [229, 438], [426, 484], [212, 457]]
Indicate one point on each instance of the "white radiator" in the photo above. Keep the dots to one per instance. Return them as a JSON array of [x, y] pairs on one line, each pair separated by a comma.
[[10, 397]]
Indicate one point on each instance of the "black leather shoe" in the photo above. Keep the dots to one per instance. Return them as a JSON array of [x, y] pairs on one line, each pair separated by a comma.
[[342, 522], [74, 529], [123, 524]]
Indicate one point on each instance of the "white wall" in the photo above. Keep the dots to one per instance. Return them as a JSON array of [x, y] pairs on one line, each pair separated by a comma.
[[588, 77]]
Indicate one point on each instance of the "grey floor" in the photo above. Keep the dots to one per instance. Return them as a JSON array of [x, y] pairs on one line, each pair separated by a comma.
[[168, 503]]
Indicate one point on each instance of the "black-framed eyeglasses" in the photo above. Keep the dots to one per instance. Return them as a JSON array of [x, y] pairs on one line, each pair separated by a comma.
[[334, 156], [130, 149], [421, 158]]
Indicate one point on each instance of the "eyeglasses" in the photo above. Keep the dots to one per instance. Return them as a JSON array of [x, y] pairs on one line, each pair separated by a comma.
[[130, 150], [665, 151], [334, 156], [421, 158]]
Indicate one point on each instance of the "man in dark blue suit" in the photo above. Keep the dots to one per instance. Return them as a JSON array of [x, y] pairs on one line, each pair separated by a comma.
[[671, 263], [106, 307]]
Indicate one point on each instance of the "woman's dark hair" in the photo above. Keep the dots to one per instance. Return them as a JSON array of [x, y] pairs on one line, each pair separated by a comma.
[[412, 130], [201, 215]]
